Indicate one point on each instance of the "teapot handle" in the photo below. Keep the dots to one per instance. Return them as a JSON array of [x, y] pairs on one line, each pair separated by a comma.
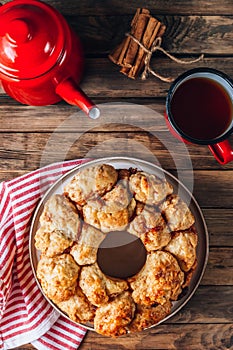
[[72, 94]]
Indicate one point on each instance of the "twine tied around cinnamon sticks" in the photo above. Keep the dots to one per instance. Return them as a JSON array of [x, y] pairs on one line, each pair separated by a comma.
[[136, 50], [156, 46]]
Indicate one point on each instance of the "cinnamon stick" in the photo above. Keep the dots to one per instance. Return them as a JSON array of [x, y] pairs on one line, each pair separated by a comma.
[[147, 40], [118, 54], [158, 32], [129, 55]]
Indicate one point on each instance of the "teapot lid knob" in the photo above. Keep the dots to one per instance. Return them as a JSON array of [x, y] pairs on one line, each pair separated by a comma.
[[33, 38], [19, 31]]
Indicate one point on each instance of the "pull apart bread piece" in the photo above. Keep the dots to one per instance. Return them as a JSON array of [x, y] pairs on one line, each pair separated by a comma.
[[58, 276], [78, 307], [112, 319], [84, 251], [183, 245], [113, 211], [97, 287], [60, 226], [147, 316], [177, 213], [149, 189], [91, 182], [150, 226], [159, 281]]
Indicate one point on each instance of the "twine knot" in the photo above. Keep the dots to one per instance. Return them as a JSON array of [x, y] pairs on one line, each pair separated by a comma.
[[156, 46]]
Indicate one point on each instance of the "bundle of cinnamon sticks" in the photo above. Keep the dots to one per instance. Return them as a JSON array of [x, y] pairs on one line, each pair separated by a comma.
[[129, 55]]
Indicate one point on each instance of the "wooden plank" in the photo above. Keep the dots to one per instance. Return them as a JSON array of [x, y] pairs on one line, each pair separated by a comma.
[[219, 224], [127, 115], [101, 7], [211, 186], [184, 34], [19, 151], [164, 337], [219, 270], [103, 80], [209, 304]]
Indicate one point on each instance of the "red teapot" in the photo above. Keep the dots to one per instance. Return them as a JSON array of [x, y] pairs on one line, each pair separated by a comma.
[[41, 58]]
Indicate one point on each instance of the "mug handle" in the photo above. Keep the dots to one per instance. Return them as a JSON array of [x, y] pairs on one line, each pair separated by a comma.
[[222, 151]]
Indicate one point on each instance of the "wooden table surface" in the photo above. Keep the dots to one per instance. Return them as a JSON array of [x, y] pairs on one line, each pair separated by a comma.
[[35, 136]]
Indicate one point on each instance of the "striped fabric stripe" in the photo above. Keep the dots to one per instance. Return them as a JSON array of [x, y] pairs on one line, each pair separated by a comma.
[[25, 315]]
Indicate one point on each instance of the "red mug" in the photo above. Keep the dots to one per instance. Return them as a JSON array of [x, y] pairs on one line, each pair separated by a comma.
[[41, 58], [199, 110]]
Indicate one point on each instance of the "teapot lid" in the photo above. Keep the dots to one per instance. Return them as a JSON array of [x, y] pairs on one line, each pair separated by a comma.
[[32, 38]]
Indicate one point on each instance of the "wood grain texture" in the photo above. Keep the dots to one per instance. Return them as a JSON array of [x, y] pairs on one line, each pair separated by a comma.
[[189, 34], [219, 269], [219, 223], [34, 136], [184, 34], [32, 150], [209, 305], [103, 81], [100, 7], [162, 337]]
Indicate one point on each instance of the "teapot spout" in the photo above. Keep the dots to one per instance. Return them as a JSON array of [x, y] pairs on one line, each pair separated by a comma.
[[72, 94]]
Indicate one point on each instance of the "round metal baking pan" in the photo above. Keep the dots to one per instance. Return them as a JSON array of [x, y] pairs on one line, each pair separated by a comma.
[[179, 188]]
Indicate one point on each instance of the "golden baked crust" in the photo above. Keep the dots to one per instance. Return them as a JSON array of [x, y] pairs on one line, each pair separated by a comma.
[[112, 319], [77, 307], [98, 287], [91, 182], [117, 199], [158, 281], [183, 245], [58, 276], [151, 227], [148, 188], [177, 213], [51, 243], [109, 221], [60, 214], [147, 316], [85, 250]]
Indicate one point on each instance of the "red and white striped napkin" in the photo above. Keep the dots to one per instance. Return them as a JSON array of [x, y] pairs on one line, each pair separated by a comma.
[[25, 315]]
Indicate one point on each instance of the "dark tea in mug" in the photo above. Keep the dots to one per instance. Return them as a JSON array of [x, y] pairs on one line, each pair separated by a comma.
[[201, 107]]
